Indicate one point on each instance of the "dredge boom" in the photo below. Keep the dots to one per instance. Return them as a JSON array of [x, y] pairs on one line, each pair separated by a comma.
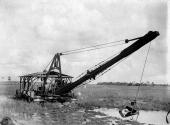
[[123, 54]]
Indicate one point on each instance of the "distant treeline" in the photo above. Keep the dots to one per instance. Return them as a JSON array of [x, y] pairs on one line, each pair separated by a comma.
[[131, 84], [9, 82]]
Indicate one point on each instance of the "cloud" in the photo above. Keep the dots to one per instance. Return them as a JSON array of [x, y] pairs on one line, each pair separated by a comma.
[[33, 31]]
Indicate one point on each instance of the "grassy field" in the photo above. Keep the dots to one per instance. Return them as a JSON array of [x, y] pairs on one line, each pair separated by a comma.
[[110, 96], [8, 89], [89, 97]]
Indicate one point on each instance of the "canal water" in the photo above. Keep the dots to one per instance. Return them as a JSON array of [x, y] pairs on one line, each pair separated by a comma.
[[147, 117]]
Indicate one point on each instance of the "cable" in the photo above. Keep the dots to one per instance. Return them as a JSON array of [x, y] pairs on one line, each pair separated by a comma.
[[107, 70], [89, 80], [48, 64], [93, 46], [111, 67], [142, 74], [91, 49], [104, 61], [104, 71], [167, 117]]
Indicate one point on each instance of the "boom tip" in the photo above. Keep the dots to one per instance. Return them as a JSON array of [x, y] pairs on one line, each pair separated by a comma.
[[156, 32]]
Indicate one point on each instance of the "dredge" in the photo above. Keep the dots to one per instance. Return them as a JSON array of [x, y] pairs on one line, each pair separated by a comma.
[[53, 85]]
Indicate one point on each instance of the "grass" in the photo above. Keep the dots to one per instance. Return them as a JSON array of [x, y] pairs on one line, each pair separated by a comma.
[[91, 97], [19, 108], [149, 97], [107, 96], [23, 109]]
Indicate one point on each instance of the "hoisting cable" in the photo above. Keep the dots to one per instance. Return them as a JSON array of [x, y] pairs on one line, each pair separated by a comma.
[[73, 51], [142, 76], [90, 49]]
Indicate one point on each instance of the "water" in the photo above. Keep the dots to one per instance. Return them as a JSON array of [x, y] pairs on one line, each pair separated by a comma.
[[148, 117]]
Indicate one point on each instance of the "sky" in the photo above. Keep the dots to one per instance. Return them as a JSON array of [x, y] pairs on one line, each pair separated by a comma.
[[32, 32]]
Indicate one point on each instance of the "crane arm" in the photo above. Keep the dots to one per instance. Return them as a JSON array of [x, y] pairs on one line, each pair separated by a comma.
[[126, 52]]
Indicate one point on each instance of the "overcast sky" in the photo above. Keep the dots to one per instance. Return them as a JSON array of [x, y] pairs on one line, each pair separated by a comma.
[[33, 31]]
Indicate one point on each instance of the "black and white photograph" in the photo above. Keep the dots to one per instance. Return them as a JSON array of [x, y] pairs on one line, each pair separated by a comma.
[[84, 62]]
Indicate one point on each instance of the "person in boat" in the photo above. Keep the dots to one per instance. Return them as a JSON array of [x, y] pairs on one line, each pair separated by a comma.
[[128, 110]]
